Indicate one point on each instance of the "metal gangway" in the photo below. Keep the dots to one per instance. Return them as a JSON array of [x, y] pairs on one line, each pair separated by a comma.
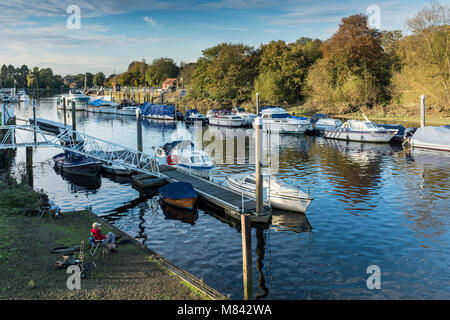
[[31, 135]]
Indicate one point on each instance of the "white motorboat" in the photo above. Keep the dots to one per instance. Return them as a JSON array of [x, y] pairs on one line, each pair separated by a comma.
[[194, 116], [326, 124], [247, 116], [226, 119], [278, 194], [78, 97], [184, 156], [127, 111], [102, 106], [361, 130], [277, 119]]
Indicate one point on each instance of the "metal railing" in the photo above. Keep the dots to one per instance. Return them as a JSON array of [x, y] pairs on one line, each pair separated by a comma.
[[111, 153]]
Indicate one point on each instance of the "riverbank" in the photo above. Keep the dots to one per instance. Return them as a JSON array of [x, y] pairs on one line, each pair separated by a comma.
[[27, 265]]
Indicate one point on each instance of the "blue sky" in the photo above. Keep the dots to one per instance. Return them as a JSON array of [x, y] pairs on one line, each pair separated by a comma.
[[114, 32]]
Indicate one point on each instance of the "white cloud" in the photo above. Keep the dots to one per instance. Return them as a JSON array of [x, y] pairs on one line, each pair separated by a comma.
[[150, 21]]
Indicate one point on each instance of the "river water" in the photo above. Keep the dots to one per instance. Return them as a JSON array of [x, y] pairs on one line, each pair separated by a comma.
[[375, 204]]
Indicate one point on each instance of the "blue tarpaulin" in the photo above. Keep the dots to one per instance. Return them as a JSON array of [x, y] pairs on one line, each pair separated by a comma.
[[97, 102], [178, 190], [157, 110]]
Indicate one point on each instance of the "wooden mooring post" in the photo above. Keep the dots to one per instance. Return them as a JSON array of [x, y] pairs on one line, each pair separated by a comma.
[[29, 165], [74, 122], [247, 267], [64, 111], [422, 111], [139, 132], [259, 165]]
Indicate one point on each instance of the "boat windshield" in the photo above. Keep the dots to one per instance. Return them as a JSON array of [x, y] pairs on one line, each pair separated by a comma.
[[250, 180], [371, 125], [280, 115]]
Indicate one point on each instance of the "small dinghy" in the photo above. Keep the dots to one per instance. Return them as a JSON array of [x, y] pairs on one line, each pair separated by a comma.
[[179, 194]]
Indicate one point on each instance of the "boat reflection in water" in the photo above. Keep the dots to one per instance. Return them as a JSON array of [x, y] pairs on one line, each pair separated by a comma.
[[79, 184], [186, 216], [289, 221]]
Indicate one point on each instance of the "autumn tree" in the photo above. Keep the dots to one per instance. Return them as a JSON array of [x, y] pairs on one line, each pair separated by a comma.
[[425, 58]]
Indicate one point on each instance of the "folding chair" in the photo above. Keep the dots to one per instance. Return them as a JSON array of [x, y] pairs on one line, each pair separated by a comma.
[[95, 244]]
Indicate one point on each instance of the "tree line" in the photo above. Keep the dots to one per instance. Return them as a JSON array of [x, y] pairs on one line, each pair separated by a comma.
[[359, 67]]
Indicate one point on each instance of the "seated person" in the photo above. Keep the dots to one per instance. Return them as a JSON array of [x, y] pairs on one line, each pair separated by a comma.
[[110, 238]]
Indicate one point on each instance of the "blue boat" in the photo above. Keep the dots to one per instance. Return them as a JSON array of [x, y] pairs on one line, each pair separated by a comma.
[[179, 194]]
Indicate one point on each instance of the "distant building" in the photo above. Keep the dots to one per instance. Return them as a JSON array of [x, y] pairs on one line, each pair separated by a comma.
[[171, 84]]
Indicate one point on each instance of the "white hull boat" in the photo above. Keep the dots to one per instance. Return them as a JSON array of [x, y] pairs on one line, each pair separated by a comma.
[[436, 138], [127, 111], [279, 120], [279, 195], [327, 124], [226, 120], [183, 156], [360, 130]]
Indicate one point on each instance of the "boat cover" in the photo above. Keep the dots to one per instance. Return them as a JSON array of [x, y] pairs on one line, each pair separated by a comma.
[[151, 109], [401, 129], [432, 135], [96, 102], [178, 190], [168, 147], [191, 112]]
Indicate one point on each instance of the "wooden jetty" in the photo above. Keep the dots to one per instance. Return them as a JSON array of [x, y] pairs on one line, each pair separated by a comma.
[[229, 201], [143, 181]]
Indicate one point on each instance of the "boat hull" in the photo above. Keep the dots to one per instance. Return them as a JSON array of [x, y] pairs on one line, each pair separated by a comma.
[[276, 200], [381, 137], [186, 203], [226, 122], [91, 169], [284, 128]]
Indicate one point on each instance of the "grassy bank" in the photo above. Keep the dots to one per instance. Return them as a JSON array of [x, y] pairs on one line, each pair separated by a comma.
[[27, 265]]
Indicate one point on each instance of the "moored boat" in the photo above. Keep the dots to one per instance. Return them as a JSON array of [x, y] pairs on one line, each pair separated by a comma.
[[361, 130], [326, 124], [276, 119], [279, 194], [184, 156], [194, 116], [428, 137], [179, 194], [73, 163], [225, 118], [247, 116]]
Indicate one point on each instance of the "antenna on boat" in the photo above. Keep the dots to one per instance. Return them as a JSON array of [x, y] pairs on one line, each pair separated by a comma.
[[365, 116]]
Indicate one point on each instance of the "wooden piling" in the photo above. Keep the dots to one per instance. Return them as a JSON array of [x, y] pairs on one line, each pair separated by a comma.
[[257, 103], [247, 256], [422, 111], [34, 120], [74, 122], [29, 165], [64, 111], [258, 165], [139, 132]]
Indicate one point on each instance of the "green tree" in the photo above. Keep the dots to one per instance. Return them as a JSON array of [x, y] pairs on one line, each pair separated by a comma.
[[99, 79], [160, 70]]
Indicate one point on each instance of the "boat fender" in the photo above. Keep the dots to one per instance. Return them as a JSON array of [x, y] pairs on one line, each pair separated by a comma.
[[172, 160]]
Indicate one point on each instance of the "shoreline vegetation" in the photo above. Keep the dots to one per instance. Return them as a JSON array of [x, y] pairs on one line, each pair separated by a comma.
[[358, 69], [27, 264]]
